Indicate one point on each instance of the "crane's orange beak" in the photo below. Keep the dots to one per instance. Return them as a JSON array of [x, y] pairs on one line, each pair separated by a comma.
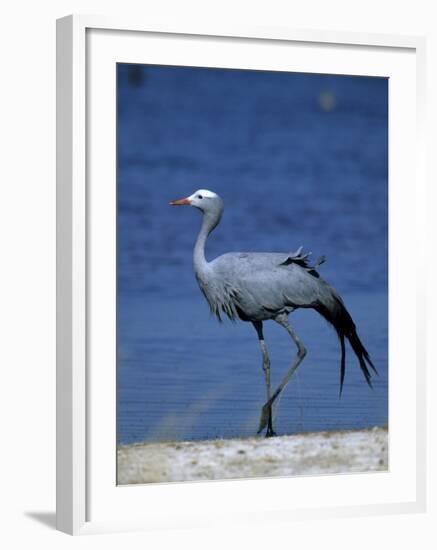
[[180, 202]]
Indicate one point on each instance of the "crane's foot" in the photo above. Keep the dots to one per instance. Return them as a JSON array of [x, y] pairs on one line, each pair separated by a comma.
[[263, 421], [270, 432], [266, 420]]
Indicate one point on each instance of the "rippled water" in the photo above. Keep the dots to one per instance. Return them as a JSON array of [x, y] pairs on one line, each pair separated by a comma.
[[299, 160]]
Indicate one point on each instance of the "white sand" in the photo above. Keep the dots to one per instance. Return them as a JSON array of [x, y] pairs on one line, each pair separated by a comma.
[[303, 454]]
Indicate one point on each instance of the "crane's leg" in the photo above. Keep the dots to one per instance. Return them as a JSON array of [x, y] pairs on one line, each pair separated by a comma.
[[266, 368], [282, 319]]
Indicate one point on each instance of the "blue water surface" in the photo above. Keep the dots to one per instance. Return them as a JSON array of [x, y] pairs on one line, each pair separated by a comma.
[[298, 159]]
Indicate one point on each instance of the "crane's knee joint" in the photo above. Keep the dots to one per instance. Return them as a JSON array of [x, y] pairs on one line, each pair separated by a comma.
[[302, 352]]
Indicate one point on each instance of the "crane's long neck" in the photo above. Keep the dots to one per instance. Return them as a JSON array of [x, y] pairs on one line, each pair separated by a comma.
[[209, 222]]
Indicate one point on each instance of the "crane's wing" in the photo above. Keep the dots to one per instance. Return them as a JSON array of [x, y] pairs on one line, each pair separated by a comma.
[[256, 285]]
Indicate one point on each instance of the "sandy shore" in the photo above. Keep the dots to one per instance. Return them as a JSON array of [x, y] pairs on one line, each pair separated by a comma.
[[303, 454]]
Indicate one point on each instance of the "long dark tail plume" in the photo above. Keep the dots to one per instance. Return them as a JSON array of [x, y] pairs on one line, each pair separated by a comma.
[[343, 360], [336, 314]]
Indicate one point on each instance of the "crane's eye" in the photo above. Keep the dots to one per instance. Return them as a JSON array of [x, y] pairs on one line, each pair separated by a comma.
[[199, 197]]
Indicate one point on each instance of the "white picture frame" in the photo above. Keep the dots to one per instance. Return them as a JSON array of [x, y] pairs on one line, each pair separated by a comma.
[[75, 213]]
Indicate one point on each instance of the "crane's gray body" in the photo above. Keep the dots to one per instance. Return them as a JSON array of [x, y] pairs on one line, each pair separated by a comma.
[[258, 286]]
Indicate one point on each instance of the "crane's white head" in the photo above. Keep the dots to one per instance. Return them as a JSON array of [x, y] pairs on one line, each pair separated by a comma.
[[206, 201]]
